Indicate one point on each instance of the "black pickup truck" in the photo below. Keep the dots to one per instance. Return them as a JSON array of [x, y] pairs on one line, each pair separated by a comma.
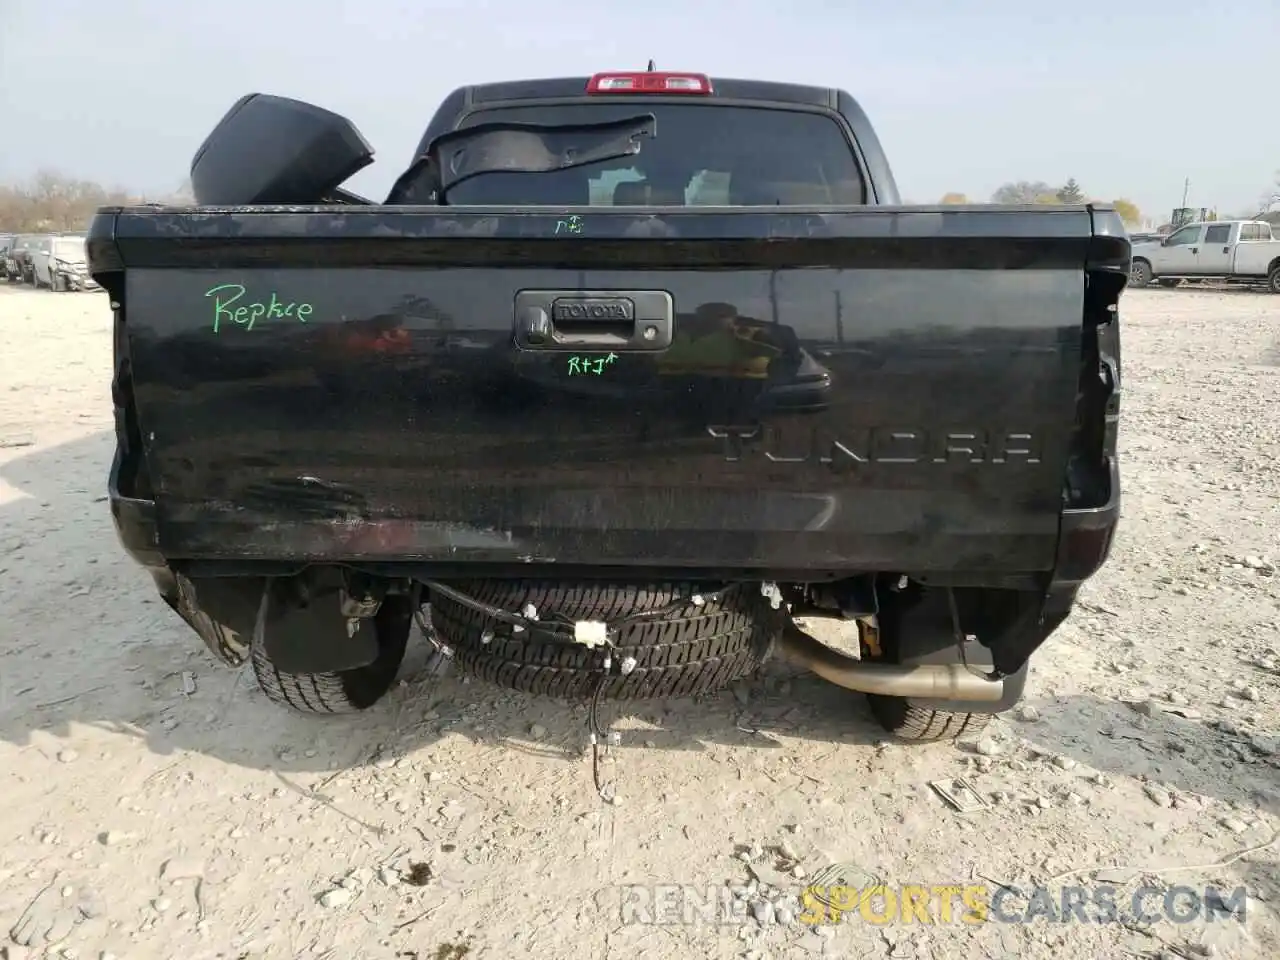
[[626, 373]]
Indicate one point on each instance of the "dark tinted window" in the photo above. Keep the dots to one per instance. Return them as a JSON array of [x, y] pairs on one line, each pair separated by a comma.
[[1218, 234], [703, 155]]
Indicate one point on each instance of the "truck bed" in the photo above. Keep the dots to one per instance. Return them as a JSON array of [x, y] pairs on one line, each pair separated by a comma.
[[854, 390]]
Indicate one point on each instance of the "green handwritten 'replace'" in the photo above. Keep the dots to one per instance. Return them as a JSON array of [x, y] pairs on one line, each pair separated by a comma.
[[590, 366], [227, 307]]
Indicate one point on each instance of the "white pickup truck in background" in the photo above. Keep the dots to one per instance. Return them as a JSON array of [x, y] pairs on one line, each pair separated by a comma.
[[1237, 251]]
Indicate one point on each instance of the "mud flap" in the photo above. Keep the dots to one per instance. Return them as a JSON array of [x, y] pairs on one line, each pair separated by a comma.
[[312, 636], [928, 637], [220, 610]]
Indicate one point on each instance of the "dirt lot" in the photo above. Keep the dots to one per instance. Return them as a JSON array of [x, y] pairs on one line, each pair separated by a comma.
[[169, 811]]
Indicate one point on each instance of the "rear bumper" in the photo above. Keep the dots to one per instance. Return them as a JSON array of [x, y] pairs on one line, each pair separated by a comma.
[[704, 531], [779, 536]]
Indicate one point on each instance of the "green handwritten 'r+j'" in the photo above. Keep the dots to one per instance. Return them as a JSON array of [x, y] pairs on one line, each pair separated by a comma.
[[227, 295], [586, 366]]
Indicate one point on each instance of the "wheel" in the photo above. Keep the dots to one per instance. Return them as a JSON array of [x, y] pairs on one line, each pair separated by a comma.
[[916, 629], [348, 691], [1273, 279], [907, 722], [693, 650], [1140, 273], [900, 716]]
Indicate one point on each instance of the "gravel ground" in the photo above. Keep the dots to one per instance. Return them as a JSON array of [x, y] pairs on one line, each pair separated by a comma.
[[166, 810]]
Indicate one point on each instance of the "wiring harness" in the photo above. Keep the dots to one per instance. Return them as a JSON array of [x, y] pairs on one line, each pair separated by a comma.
[[594, 634]]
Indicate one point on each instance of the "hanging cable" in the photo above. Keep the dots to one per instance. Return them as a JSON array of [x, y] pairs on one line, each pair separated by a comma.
[[562, 629]]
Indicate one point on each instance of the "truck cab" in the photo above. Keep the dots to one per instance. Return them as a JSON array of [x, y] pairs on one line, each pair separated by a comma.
[[1238, 251]]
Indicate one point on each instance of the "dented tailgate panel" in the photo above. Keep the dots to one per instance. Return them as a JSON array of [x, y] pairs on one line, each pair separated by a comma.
[[860, 400]]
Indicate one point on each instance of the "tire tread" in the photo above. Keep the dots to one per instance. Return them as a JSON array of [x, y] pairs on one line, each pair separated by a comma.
[[347, 691], [694, 650]]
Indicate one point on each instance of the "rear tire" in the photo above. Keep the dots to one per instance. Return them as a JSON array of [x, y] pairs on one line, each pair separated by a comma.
[[918, 630], [694, 650], [1273, 279], [899, 717], [348, 691]]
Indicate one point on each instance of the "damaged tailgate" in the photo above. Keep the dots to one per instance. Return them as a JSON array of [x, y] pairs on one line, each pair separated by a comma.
[[789, 390]]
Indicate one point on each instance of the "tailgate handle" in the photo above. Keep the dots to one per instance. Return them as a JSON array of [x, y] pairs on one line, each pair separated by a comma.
[[594, 319]]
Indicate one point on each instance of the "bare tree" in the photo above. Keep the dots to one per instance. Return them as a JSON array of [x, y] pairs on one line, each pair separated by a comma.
[[1025, 191], [54, 202]]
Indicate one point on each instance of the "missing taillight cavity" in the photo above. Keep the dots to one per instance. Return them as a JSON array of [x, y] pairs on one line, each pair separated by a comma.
[[649, 82]]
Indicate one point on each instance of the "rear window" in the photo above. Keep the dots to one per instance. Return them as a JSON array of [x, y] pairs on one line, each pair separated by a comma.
[[703, 155]]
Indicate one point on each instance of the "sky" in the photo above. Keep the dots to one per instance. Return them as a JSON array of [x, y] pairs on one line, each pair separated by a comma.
[[1131, 100]]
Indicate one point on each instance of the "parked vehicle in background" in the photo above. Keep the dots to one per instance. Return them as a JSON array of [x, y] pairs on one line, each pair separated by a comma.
[[72, 266], [1237, 251], [40, 257], [18, 260], [60, 263], [6, 241]]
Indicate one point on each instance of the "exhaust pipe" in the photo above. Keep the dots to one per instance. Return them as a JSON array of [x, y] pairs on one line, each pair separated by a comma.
[[924, 682]]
